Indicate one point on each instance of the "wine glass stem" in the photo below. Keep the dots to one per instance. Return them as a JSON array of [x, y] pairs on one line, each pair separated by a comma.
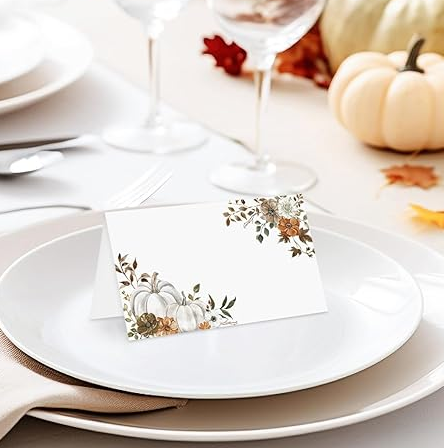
[[262, 81], [154, 84]]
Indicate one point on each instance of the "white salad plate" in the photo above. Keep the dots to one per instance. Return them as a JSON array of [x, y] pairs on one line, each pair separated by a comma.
[[374, 308], [21, 46], [67, 56], [413, 372]]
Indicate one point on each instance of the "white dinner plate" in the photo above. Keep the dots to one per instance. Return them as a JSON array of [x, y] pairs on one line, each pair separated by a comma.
[[67, 56], [413, 372], [21, 46], [374, 308]]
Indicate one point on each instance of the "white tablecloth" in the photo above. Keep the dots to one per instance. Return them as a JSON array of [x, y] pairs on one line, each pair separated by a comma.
[[300, 128], [90, 176], [299, 125]]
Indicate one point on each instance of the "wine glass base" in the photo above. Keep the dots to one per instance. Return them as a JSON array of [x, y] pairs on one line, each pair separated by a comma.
[[275, 179], [159, 139]]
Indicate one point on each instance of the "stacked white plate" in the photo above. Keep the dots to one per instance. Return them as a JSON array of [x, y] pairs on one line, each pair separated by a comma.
[[250, 382], [39, 56]]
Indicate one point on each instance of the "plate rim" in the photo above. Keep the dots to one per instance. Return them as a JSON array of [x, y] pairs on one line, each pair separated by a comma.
[[28, 68], [28, 98], [205, 396], [238, 435]]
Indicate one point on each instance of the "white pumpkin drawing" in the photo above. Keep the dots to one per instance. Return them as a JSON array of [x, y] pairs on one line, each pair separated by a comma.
[[188, 314], [154, 297]]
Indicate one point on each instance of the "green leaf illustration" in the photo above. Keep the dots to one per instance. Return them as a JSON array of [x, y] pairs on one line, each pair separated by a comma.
[[226, 313], [230, 305]]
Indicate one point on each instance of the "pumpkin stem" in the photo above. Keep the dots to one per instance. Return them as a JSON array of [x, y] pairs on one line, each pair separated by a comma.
[[184, 302], [154, 282], [415, 46]]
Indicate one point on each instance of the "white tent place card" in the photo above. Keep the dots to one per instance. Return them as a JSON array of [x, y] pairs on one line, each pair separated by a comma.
[[174, 269]]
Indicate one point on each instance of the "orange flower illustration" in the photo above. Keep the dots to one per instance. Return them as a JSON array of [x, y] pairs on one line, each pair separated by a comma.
[[281, 215], [289, 226], [166, 325], [204, 325]]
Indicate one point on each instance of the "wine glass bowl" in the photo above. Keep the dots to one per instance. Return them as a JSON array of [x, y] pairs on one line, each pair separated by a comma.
[[145, 10], [264, 28], [152, 13]]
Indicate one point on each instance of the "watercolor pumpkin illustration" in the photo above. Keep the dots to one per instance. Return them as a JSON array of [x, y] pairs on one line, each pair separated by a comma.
[[188, 315], [153, 307], [154, 297]]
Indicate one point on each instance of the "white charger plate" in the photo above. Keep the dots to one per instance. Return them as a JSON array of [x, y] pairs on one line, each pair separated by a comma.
[[68, 54], [374, 308], [410, 374], [21, 46]]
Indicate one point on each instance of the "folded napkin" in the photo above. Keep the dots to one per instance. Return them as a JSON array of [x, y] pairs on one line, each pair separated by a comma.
[[26, 384]]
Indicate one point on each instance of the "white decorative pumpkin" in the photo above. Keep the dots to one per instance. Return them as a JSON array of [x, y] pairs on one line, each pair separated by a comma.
[[350, 26], [154, 297], [188, 314], [394, 101]]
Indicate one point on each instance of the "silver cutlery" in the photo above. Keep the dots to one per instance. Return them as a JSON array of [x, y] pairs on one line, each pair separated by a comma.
[[132, 196], [140, 190], [24, 148], [28, 163], [29, 156], [50, 144]]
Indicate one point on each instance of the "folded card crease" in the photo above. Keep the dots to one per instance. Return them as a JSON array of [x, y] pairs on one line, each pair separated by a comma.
[[106, 300], [175, 269]]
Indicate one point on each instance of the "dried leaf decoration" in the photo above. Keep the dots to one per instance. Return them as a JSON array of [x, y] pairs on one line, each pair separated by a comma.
[[306, 58], [429, 216], [411, 175], [228, 56]]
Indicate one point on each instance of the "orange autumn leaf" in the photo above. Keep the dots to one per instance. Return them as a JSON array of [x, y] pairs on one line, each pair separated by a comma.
[[429, 216], [411, 175]]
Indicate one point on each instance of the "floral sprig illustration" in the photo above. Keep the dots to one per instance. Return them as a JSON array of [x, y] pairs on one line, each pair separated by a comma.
[[282, 214], [153, 307]]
